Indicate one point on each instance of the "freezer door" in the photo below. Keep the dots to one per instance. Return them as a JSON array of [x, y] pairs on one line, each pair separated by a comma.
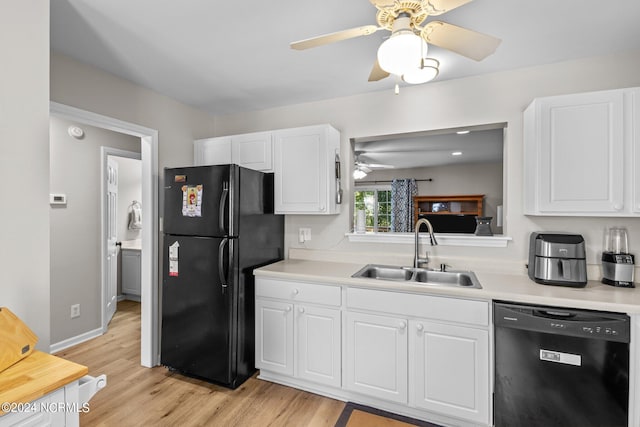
[[197, 308], [197, 200]]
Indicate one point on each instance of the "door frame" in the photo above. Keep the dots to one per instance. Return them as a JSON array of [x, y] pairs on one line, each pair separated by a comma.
[[150, 323], [105, 152]]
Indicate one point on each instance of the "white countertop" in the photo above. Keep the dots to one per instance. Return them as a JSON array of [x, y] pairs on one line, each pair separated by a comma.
[[495, 286], [134, 245]]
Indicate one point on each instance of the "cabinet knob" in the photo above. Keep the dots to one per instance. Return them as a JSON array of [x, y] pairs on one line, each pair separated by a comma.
[[296, 291], [402, 325], [321, 208], [419, 326], [617, 206], [301, 309], [288, 309]]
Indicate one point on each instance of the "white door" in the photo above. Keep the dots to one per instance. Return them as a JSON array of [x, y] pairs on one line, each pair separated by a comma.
[[318, 344], [111, 297], [377, 356], [449, 370]]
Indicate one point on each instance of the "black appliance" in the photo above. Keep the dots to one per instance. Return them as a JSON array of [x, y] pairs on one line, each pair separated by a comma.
[[218, 226], [560, 367]]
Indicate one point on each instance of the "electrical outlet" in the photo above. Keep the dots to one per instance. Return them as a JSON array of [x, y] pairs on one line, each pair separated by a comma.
[[75, 311], [304, 234]]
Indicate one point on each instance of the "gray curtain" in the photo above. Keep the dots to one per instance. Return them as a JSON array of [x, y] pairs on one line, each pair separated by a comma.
[[402, 192]]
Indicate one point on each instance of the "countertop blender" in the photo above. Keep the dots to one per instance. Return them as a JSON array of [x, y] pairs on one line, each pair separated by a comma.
[[617, 263]]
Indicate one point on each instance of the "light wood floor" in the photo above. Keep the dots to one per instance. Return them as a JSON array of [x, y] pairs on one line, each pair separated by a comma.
[[137, 396]]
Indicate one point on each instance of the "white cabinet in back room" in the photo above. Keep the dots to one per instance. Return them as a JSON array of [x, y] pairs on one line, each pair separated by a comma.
[[131, 272], [581, 154], [306, 166]]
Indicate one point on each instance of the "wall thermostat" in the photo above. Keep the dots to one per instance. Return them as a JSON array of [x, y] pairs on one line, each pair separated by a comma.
[[57, 199]]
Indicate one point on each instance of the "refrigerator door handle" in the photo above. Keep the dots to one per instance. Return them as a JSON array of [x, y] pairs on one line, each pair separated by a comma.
[[221, 267], [223, 203]]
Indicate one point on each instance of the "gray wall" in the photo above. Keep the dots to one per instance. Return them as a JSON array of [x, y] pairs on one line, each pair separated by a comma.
[[477, 178], [24, 163], [490, 98], [75, 227], [85, 87]]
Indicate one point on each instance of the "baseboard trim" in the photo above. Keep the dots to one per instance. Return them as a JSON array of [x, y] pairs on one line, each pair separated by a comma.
[[70, 342]]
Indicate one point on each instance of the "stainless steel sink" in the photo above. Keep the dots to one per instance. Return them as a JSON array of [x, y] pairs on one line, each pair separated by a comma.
[[465, 279]]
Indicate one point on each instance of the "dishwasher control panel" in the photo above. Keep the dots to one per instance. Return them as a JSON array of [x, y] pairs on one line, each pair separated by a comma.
[[563, 321]]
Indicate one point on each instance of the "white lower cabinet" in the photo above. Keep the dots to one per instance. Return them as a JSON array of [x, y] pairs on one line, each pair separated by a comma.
[[420, 355], [296, 338], [274, 336], [318, 343], [449, 369], [376, 350]]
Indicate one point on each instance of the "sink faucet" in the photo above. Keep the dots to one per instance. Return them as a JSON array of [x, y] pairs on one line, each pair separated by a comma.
[[416, 259]]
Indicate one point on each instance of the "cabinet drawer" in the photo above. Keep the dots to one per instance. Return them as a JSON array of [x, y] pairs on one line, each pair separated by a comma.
[[425, 306], [299, 291]]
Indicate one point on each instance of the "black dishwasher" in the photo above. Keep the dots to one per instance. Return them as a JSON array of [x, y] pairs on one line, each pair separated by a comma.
[[560, 367]]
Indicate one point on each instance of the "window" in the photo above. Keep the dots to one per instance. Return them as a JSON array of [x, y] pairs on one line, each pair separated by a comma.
[[376, 202]]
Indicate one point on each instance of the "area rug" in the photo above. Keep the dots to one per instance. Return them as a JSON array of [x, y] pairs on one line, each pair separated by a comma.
[[354, 415]]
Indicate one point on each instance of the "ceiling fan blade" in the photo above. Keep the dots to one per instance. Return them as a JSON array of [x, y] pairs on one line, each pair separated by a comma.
[[438, 7], [382, 3], [377, 73], [379, 166], [460, 40], [334, 37]]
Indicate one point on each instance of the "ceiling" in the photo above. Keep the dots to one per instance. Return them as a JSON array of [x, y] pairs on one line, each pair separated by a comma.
[[483, 144], [229, 57]]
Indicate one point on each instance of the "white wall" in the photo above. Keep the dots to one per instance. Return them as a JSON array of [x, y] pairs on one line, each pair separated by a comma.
[[490, 98], [129, 189], [24, 163], [75, 227]]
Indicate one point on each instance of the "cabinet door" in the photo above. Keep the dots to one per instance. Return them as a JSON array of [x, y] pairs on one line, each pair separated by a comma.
[[449, 370], [318, 344], [274, 336], [304, 166], [253, 151], [131, 272], [633, 117], [376, 356], [212, 151], [581, 153]]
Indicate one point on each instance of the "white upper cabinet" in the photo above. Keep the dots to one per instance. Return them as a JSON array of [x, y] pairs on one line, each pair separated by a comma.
[[251, 150], [306, 169], [581, 156], [632, 117], [212, 151]]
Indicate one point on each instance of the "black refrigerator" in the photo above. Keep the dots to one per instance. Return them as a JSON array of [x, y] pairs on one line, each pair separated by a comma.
[[218, 226]]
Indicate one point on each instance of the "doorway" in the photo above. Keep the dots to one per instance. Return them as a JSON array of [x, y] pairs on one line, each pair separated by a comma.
[[149, 346]]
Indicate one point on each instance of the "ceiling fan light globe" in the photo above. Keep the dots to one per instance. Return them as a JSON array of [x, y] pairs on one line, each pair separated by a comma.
[[401, 52], [423, 74], [359, 174]]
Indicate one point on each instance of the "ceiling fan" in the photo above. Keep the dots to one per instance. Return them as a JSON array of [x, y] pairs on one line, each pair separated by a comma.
[[404, 53], [362, 168]]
